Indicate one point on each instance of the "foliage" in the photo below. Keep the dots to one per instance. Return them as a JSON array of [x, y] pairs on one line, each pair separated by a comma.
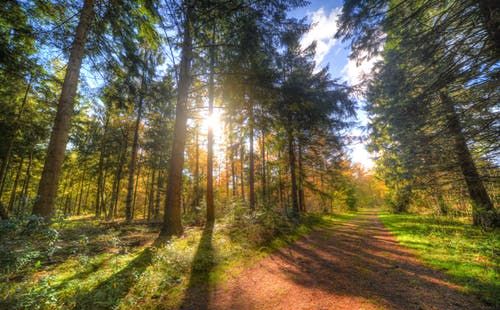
[[437, 65], [33, 240]]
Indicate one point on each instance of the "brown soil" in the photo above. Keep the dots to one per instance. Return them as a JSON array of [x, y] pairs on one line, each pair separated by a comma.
[[354, 265]]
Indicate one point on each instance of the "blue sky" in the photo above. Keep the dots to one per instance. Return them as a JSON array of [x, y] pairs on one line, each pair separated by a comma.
[[335, 54]]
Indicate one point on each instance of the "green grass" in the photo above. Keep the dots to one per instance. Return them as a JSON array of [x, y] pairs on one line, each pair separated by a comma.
[[99, 267], [466, 253]]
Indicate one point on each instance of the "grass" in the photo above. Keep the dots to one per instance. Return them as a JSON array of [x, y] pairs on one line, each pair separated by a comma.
[[96, 266], [469, 255]]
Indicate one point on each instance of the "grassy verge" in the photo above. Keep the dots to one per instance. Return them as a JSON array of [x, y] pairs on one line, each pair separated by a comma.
[[101, 267], [466, 253]]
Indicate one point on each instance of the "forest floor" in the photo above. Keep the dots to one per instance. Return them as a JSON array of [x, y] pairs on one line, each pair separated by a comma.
[[357, 264], [325, 261]]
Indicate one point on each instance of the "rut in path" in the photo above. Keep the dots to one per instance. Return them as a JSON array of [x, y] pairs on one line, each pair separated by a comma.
[[354, 265]]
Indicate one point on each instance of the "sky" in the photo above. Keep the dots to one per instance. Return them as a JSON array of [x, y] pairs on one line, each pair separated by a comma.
[[334, 53]]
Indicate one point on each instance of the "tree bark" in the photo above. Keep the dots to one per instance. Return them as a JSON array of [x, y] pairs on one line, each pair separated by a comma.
[[242, 170], [302, 206], [131, 166], [136, 186], [280, 183], [293, 179], [210, 142], [100, 170], [264, 172], [100, 186], [251, 168], [25, 191], [196, 200], [156, 210], [78, 209], [17, 125], [47, 190], [87, 191], [172, 224], [231, 158], [116, 182], [151, 196], [146, 196], [483, 211], [13, 193]]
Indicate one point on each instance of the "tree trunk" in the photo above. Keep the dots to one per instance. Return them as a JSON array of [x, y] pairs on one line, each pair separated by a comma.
[[13, 193], [233, 166], [104, 197], [210, 142], [100, 186], [47, 190], [280, 182], [134, 200], [151, 196], [302, 206], [172, 223], [196, 200], [68, 188], [226, 171], [25, 191], [146, 196], [233, 175], [483, 211], [87, 191], [242, 170], [78, 210], [251, 174], [116, 182], [17, 125], [100, 170], [291, 162], [131, 166], [263, 156], [156, 210]]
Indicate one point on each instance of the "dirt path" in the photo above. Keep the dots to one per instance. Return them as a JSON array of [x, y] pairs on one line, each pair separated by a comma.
[[354, 265]]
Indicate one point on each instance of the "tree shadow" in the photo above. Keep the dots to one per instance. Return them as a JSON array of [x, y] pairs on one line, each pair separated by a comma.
[[109, 293], [197, 295], [380, 271]]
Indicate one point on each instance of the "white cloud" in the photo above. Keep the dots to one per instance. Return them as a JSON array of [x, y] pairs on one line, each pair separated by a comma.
[[323, 31], [360, 155], [355, 73]]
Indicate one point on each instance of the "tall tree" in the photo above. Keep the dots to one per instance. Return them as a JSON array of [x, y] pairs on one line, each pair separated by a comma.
[[210, 137], [172, 217], [47, 190]]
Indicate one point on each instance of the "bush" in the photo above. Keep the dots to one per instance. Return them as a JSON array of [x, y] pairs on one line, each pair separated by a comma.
[[25, 243]]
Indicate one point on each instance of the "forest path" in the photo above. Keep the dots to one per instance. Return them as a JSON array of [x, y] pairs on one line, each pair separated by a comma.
[[356, 264]]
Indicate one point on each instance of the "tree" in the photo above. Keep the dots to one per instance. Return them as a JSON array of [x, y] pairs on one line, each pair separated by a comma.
[[172, 219], [309, 100], [435, 58], [44, 206]]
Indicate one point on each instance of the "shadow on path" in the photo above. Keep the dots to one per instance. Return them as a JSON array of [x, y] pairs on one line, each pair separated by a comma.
[[357, 264]]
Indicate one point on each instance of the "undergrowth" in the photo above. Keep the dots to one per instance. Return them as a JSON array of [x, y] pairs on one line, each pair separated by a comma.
[[95, 266], [466, 253]]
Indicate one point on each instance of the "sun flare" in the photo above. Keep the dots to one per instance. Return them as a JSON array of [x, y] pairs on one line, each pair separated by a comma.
[[212, 121], [215, 123]]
